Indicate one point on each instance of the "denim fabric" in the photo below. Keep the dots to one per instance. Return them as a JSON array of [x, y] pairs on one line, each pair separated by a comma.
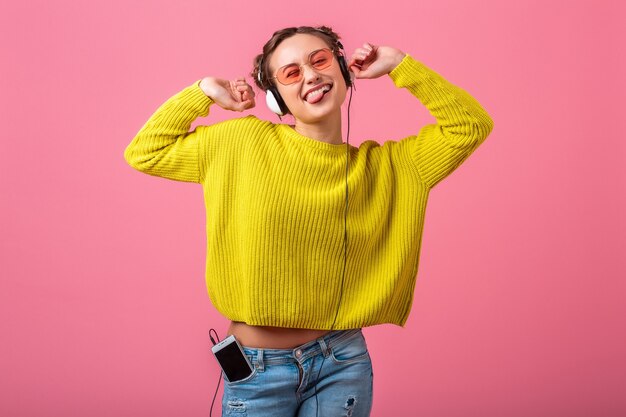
[[283, 382]]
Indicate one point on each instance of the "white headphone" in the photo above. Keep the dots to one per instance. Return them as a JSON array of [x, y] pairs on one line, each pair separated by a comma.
[[278, 107]]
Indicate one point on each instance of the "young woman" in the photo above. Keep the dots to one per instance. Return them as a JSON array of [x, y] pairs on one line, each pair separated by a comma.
[[309, 239]]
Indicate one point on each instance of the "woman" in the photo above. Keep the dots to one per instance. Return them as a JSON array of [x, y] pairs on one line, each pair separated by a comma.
[[277, 261]]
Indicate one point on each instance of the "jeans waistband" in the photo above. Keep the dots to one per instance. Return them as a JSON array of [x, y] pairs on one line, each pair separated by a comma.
[[260, 357]]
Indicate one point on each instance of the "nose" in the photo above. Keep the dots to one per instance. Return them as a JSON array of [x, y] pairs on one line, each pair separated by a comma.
[[309, 74]]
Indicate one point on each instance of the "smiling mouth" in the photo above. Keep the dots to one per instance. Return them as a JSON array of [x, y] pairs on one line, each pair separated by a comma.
[[317, 94]]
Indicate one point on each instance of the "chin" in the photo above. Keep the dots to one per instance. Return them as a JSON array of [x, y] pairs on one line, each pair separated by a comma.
[[318, 112], [316, 116]]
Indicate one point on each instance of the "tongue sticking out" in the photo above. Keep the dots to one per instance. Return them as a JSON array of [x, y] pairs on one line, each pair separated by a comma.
[[317, 95], [314, 98]]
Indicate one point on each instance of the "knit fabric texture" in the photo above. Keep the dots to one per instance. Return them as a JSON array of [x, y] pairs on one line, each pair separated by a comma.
[[275, 205]]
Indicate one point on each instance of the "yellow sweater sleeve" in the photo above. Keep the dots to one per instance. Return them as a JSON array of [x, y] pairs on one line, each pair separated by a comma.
[[462, 124], [164, 146]]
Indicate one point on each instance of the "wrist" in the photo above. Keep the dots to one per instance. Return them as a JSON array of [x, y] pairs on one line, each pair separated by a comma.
[[205, 85], [397, 59]]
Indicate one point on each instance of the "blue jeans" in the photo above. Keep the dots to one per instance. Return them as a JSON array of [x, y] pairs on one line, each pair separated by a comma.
[[285, 381]]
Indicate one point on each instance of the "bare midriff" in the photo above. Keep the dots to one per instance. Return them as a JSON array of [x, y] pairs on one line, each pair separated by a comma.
[[266, 337]]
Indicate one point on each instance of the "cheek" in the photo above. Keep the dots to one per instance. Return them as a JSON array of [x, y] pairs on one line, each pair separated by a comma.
[[340, 82], [289, 95], [341, 89]]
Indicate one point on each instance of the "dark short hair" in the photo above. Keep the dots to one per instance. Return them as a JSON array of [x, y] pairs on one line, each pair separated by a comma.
[[262, 61]]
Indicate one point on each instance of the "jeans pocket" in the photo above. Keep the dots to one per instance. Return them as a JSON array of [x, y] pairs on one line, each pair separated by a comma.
[[352, 350], [249, 378]]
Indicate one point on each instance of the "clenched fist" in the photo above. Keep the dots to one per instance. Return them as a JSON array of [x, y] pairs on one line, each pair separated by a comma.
[[234, 95]]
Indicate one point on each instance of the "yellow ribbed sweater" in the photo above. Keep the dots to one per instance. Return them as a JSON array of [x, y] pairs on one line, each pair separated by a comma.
[[275, 205]]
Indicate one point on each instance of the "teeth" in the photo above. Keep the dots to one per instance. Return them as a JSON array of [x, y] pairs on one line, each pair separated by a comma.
[[318, 92]]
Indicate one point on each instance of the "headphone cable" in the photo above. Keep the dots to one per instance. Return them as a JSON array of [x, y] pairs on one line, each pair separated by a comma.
[[345, 252], [220, 378]]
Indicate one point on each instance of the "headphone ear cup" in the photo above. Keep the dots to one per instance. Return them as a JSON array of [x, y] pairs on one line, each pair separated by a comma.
[[275, 102], [345, 71], [272, 104]]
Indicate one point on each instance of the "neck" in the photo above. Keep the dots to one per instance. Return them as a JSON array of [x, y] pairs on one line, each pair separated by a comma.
[[327, 130]]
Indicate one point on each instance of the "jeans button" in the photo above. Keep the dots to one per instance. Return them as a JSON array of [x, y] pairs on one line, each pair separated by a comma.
[[298, 353]]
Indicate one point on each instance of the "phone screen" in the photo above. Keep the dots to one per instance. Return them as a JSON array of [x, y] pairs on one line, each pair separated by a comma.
[[233, 362]]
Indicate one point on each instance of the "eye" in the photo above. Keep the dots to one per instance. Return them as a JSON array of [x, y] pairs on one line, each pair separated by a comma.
[[289, 73], [293, 73], [320, 61]]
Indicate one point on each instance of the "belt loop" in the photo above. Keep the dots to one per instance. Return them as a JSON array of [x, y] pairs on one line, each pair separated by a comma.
[[259, 361], [324, 346]]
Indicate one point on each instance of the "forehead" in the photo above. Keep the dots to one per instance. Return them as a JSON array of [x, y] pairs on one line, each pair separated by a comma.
[[295, 49]]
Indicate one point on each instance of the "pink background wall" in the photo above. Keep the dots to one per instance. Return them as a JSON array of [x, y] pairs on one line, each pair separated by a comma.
[[520, 303]]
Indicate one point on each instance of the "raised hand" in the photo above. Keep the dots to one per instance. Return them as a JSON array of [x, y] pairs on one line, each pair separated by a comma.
[[236, 95], [371, 61]]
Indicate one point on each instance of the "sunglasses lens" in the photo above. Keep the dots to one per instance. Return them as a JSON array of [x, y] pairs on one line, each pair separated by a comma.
[[321, 59], [289, 74]]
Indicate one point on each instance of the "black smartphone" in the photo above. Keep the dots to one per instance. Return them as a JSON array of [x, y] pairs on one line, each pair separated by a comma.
[[232, 360]]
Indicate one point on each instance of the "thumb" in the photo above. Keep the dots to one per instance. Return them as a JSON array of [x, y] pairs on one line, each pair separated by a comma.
[[356, 70]]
